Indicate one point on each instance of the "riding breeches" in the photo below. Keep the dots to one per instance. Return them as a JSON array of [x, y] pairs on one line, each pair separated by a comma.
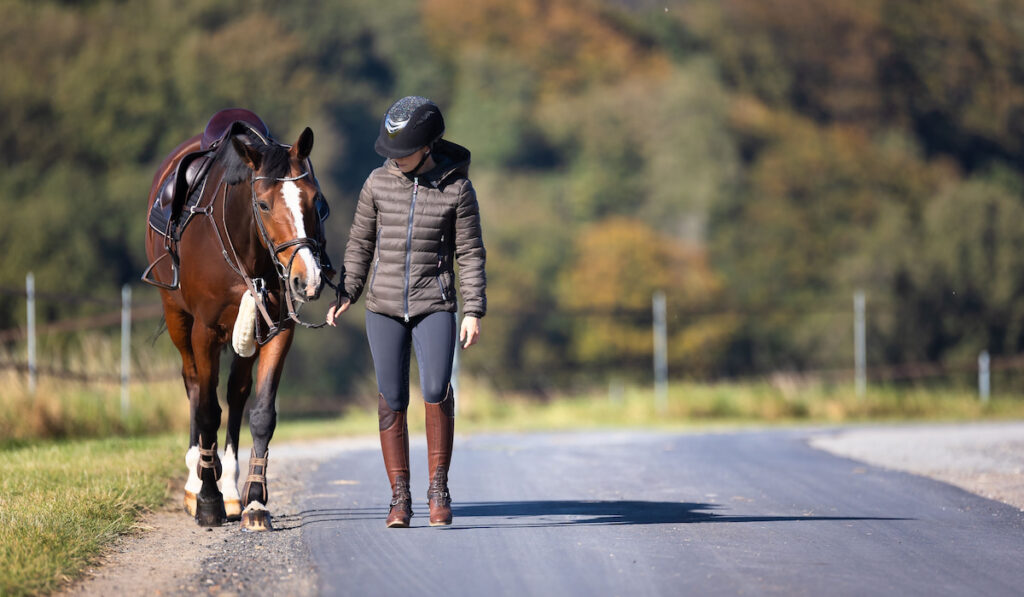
[[433, 336]]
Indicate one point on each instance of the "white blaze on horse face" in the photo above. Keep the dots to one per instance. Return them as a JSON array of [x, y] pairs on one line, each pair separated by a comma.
[[293, 199]]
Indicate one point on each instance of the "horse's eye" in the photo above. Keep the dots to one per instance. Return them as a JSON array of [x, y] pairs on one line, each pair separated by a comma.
[[264, 207]]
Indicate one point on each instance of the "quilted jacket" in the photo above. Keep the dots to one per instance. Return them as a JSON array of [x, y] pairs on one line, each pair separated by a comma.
[[407, 236]]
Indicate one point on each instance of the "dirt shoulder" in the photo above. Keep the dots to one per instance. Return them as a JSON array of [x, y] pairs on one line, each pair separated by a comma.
[[169, 554], [986, 459]]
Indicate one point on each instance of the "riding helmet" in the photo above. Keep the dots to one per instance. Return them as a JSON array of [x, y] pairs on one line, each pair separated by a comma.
[[409, 124]]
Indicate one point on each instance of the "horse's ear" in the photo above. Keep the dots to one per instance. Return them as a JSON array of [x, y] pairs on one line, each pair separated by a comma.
[[305, 144], [249, 155]]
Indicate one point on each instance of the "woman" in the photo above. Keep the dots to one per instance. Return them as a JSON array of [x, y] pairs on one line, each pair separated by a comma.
[[415, 214]]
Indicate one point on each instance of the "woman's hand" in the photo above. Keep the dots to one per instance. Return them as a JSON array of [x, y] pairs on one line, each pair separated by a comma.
[[470, 331], [335, 310]]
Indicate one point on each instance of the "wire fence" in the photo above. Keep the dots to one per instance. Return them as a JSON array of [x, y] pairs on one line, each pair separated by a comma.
[[123, 317], [655, 365]]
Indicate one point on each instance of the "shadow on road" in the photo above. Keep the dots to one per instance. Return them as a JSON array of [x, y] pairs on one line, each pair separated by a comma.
[[553, 513], [557, 513]]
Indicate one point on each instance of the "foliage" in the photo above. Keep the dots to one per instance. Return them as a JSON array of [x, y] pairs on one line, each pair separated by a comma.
[[777, 154], [618, 266]]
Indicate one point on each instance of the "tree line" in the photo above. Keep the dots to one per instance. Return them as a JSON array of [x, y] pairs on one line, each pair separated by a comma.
[[756, 161]]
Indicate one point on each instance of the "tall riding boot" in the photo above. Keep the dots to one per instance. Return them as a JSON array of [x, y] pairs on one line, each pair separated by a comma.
[[394, 443], [440, 433]]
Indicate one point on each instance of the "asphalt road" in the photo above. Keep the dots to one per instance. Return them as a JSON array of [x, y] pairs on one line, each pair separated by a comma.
[[748, 513]]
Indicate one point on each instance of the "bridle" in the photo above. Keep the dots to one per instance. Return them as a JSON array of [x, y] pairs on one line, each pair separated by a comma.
[[283, 270], [257, 286]]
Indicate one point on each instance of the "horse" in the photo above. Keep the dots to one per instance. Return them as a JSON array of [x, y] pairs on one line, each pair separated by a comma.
[[255, 244]]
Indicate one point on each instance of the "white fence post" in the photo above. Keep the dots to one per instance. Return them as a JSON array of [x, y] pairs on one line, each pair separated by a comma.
[[126, 344], [859, 344], [30, 293], [984, 387], [660, 352]]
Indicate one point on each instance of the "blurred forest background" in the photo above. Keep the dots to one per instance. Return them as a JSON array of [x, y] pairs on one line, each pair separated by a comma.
[[757, 160]]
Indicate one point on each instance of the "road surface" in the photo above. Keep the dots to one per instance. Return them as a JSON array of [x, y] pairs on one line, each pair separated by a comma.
[[623, 513]]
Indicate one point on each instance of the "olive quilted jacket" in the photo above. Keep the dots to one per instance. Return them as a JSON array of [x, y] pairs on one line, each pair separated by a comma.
[[407, 235]]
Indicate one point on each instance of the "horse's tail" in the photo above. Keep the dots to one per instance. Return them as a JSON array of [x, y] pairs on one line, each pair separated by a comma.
[[159, 330]]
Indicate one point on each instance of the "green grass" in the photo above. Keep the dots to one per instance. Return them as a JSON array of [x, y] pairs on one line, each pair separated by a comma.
[[60, 503]]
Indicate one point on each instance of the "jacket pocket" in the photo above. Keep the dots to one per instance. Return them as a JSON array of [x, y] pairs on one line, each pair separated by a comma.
[[440, 270], [440, 286]]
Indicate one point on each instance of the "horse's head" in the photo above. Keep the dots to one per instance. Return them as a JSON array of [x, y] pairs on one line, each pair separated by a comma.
[[286, 198]]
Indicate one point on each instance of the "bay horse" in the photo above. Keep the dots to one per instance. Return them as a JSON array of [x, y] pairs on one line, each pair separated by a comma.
[[256, 234]]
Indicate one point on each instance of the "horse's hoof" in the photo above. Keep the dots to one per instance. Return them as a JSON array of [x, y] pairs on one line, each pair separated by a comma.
[[256, 518], [210, 513], [233, 510], [190, 503]]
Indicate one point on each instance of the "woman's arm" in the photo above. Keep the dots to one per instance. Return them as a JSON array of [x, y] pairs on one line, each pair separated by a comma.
[[362, 239], [470, 253]]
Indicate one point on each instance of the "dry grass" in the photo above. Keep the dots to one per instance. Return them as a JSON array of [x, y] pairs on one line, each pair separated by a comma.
[[72, 409], [690, 406]]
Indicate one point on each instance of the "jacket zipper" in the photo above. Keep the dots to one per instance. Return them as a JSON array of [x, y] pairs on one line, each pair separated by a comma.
[[440, 264], [377, 261], [408, 242]]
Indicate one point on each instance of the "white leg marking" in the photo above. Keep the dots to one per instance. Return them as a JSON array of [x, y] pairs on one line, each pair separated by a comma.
[[194, 483], [229, 478], [293, 199]]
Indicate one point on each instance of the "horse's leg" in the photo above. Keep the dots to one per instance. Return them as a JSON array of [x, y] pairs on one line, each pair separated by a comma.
[[206, 419], [262, 421], [239, 386], [179, 328]]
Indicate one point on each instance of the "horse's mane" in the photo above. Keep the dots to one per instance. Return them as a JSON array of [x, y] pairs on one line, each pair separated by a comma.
[[275, 158]]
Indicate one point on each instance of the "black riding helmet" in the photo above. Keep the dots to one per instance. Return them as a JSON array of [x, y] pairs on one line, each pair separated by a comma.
[[409, 124]]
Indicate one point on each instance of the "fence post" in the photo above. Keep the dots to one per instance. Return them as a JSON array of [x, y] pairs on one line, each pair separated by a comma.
[[30, 293], [126, 344], [859, 344], [660, 352], [984, 387]]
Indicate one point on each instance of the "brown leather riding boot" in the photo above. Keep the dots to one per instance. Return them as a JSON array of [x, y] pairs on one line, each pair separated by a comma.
[[440, 433], [394, 443]]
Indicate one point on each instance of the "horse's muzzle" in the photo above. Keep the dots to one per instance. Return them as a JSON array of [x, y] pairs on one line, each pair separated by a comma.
[[307, 290]]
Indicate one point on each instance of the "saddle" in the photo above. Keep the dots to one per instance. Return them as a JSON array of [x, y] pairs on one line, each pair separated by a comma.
[[181, 191], [178, 192], [184, 187]]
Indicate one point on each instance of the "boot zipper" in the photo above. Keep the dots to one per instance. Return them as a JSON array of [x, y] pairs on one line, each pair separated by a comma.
[[408, 242]]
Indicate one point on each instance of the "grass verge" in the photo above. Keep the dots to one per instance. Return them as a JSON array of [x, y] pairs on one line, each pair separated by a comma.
[[60, 503]]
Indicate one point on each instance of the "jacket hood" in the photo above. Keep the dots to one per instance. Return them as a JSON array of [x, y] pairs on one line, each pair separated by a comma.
[[452, 163]]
